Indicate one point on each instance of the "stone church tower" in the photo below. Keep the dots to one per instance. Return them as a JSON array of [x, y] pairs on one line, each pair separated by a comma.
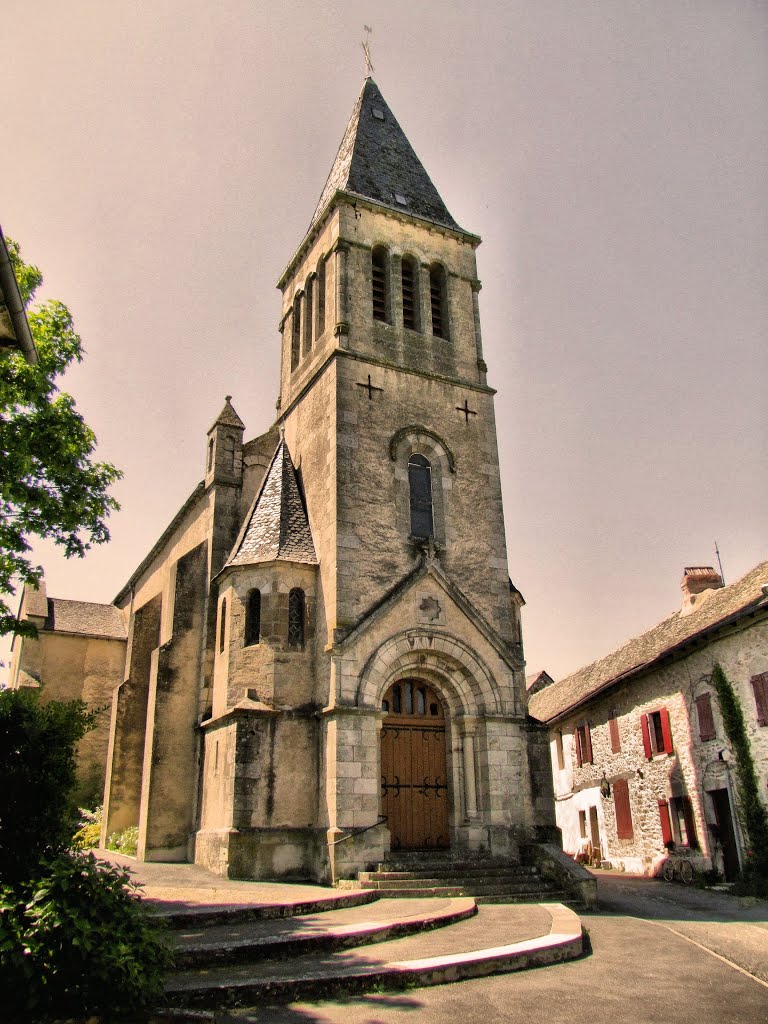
[[324, 658]]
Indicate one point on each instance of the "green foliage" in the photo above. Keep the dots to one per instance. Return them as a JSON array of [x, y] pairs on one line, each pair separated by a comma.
[[126, 842], [49, 485], [76, 941], [752, 811], [37, 766]]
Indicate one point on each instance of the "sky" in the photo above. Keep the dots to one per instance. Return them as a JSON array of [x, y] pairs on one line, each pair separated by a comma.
[[162, 161]]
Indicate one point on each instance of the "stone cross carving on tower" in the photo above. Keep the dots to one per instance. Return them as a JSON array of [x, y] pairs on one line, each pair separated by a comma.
[[367, 51]]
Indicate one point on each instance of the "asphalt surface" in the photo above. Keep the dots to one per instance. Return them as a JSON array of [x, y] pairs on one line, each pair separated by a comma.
[[660, 953]]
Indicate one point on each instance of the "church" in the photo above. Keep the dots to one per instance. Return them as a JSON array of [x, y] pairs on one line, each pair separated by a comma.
[[322, 658]]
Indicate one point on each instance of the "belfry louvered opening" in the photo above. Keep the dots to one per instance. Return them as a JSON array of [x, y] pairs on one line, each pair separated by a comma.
[[437, 298], [379, 283], [410, 303]]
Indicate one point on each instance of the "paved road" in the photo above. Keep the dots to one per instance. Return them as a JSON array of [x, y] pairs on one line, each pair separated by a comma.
[[647, 966]]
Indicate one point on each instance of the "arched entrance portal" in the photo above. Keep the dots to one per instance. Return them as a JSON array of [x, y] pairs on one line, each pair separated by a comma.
[[414, 781]]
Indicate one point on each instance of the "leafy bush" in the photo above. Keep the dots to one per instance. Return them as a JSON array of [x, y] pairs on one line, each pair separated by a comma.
[[88, 834], [76, 941], [126, 842], [38, 769]]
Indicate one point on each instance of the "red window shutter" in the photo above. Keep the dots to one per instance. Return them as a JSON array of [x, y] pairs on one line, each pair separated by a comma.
[[760, 688], [588, 743], [666, 824], [577, 739], [666, 731], [706, 719], [646, 736], [613, 727], [621, 805], [690, 822]]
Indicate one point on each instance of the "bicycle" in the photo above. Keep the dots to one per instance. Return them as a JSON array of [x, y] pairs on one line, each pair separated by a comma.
[[679, 866]]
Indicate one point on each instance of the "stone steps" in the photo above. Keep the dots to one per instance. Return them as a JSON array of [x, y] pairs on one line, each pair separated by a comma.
[[492, 940], [255, 940], [408, 875]]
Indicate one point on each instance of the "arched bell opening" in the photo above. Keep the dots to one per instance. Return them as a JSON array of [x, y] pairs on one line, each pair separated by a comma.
[[416, 791]]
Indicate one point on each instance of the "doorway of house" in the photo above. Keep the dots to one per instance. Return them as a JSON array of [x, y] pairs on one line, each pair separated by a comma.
[[414, 785], [594, 829], [722, 805]]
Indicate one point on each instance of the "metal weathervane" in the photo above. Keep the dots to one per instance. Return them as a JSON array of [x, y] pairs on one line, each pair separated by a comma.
[[367, 51]]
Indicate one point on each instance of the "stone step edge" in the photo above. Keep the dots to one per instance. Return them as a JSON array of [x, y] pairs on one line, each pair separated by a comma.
[[335, 937], [228, 913], [535, 893], [440, 872], [456, 882], [564, 942]]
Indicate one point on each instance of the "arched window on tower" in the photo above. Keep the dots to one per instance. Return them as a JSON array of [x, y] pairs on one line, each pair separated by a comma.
[[320, 297], [229, 454], [308, 313], [222, 625], [420, 485], [410, 294], [438, 301], [296, 617], [296, 333], [210, 455], [253, 618], [379, 284]]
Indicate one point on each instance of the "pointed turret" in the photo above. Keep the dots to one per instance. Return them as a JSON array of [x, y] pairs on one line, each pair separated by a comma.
[[224, 453], [376, 161], [276, 527]]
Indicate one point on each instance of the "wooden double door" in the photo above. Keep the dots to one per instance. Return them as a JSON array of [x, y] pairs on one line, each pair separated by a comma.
[[414, 783]]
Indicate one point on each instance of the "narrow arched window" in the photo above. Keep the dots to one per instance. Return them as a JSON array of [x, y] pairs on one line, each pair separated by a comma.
[[410, 295], [296, 617], [420, 485], [308, 311], [437, 299], [210, 455], [222, 625], [229, 453], [320, 297], [253, 618], [379, 283], [296, 333]]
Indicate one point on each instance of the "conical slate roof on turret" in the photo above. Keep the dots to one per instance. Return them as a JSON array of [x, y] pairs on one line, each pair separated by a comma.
[[376, 161], [276, 526]]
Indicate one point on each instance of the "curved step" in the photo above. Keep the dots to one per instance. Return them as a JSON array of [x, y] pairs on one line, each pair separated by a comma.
[[254, 941], [202, 914], [454, 953]]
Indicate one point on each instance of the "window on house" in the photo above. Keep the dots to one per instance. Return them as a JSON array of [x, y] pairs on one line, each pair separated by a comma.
[[657, 733], [666, 823], [296, 617], [309, 297], [706, 718], [320, 297], [760, 690], [410, 298], [222, 625], [420, 484], [437, 298], [379, 283], [683, 821], [253, 618], [613, 729], [621, 805], [296, 333], [583, 824], [583, 744], [559, 751]]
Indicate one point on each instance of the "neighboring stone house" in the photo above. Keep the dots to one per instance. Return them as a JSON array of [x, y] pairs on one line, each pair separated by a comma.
[[78, 654], [324, 658], [639, 754]]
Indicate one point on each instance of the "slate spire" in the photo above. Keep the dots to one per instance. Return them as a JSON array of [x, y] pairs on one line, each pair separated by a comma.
[[376, 161], [227, 417], [276, 526]]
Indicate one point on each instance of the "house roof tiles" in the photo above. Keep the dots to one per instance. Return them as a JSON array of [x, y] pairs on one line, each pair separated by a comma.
[[720, 607]]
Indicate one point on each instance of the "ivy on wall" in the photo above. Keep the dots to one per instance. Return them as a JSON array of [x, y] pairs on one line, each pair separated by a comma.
[[752, 812]]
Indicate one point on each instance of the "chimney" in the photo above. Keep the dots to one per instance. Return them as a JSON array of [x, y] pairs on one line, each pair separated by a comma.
[[698, 582]]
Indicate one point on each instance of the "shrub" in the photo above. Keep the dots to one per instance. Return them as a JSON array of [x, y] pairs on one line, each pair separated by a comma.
[[88, 834], [37, 766], [126, 842], [77, 940]]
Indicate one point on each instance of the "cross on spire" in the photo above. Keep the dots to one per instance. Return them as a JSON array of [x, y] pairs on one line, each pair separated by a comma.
[[466, 410], [367, 51]]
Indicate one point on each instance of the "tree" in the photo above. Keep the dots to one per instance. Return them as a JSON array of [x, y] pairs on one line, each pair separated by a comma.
[[50, 486]]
